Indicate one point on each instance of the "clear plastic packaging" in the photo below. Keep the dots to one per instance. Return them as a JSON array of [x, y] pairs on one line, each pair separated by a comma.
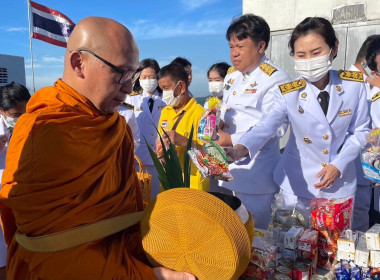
[[370, 157]]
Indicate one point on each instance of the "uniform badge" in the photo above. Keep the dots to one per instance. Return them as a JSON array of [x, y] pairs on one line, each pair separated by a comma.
[[164, 123], [227, 86], [375, 97], [300, 110], [338, 88], [307, 140], [356, 76], [345, 112], [231, 81], [250, 90], [304, 95], [292, 86], [253, 85], [138, 109]]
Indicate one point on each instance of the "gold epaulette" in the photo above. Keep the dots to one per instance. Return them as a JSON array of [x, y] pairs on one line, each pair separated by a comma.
[[135, 92], [128, 106], [292, 86], [231, 70], [376, 96], [267, 68], [351, 75]]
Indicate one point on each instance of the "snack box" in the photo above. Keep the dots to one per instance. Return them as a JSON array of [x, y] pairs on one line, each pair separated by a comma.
[[361, 253], [347, 241], [291, 237], [372, 237], [308, 241]]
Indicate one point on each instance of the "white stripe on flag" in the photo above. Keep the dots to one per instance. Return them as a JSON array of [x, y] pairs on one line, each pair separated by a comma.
[[49, 34], [50, 16]]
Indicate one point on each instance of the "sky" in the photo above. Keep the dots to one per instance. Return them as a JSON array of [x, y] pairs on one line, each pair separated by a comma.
[[163, 29]]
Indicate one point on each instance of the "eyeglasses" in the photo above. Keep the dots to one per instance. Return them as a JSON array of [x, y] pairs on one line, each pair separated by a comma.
[[126, 75]]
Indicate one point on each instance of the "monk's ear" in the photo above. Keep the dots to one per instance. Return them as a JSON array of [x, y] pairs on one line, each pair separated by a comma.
[[76, 63]]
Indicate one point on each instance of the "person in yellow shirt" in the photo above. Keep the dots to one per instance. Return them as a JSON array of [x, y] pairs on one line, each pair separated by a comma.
[[181, 113]]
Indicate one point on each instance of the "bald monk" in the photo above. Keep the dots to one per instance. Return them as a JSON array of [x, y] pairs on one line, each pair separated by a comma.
[[70, 163]]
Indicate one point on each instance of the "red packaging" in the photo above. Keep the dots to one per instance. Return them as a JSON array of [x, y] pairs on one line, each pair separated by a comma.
[[308, 242], [301, 271], [253, 272], [330, 218]]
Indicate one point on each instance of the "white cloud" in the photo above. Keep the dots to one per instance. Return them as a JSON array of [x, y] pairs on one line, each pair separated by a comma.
[[49, 59], [152, 30], [191, 5], [15, 29]]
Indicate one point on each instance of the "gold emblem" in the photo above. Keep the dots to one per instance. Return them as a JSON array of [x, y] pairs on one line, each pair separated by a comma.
[[253, 85], [300, 110], [375, 97], [292, 86], [323, 164], [234, 93], [325, 152], [307, 140], [338, 88], [326, 137], [231, 70], [245, 78], [226, 125], [228, 109], [267, 68], [351, 75], [345, 112], [304, 95]]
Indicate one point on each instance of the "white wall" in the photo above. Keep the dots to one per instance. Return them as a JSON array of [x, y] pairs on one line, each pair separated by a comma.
[[286, 14]]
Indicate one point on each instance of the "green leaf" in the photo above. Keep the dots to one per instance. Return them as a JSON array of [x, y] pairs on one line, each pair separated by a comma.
[[186, 160]]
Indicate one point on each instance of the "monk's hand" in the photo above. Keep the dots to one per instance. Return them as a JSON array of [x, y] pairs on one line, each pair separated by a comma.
[[3, 141], [176, 138], [236, 152], [224, 138], [163, 273], [329, 173]]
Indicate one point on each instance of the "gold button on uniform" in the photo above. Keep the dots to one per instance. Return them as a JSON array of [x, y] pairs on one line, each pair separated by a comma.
[[325, 152], [234, 93], [326, 137], [152, 134], [226, 126], [324, 164], [228, 109]]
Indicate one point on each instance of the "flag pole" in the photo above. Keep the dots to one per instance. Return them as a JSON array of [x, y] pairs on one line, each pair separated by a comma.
[[30, 45]]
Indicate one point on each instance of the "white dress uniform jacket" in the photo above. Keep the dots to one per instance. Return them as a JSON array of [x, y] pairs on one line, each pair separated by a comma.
[[244, 102], [127, 113], [315, 139], [3, 153], [146, 121], [375, 107]]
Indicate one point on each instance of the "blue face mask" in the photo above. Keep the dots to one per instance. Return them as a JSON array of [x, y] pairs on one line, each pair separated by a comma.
[[10, 122]]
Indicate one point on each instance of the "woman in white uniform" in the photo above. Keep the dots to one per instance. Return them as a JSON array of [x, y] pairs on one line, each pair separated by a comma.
[[329, 120], [216, 75], [147, 101], [13, 99]]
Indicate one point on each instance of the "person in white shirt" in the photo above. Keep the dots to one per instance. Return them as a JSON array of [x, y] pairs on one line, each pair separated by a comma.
[[148, 104], [13, 100], [216, 74], [364, 190]]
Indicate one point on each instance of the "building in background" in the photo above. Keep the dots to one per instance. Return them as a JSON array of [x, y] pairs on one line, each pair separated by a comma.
[[353, 21], [12, 69]]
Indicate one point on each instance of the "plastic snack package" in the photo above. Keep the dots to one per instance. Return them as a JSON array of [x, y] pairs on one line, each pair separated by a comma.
[[370, 157], [210, 119]]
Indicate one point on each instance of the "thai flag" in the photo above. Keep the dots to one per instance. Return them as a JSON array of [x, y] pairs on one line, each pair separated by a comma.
[[50, 25]]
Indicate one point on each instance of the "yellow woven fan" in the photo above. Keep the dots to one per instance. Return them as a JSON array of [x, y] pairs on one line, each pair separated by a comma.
[[190, 230]]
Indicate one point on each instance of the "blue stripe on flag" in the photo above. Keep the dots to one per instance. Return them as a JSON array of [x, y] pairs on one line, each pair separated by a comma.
[[52, 26]]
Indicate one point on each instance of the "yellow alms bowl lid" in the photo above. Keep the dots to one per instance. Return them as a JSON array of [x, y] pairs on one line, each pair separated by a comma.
[[191, 230]]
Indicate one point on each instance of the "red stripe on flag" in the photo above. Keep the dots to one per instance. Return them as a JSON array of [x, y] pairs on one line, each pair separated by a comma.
[[49, 40], [50, 11]]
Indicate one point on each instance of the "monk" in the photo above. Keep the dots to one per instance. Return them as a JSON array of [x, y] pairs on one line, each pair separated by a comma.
[[70, 163]]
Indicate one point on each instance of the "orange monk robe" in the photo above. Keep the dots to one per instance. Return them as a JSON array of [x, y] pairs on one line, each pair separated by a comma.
[[68, 165]]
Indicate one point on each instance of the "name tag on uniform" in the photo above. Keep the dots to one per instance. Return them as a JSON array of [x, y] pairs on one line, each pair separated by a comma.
[[250, 90], [138, 109], [345, 112]]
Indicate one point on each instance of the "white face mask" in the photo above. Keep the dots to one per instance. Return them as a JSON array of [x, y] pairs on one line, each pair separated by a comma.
[[313, 69], [168, 97], [216, 88], [149, 85], [10, 122]]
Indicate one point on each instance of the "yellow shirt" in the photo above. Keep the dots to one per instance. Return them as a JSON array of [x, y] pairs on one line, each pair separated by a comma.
[[192, 115]]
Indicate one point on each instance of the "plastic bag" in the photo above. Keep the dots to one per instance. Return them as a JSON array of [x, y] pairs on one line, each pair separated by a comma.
[[329, 218], [210, 119], [370, 156]]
